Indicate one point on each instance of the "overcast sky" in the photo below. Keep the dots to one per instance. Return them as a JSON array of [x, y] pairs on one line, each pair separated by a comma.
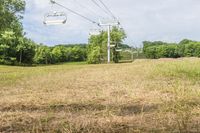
[[165, 20]]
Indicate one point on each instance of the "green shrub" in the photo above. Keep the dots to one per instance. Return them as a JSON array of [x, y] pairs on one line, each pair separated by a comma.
[[185, 48], [94, 57]]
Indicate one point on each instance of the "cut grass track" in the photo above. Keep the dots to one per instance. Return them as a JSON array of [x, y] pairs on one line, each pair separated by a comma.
[[143, 96]]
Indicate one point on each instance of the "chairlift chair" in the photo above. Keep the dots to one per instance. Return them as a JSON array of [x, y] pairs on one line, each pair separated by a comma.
[[55, 18]]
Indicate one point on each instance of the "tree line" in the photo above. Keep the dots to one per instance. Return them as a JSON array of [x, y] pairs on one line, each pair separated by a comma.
[[159, 49], [60, 54], [16, 49], [93, 53]]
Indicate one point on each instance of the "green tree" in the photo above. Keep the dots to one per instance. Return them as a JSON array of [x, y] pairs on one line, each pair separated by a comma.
[[99, 42], [94, 57], [10, 29], [197, 50], [7, 46], [59, 54], [10, 13], [43, 55], [117, 36], [25, 50], [158, 49], [78, 54], [182, 47]]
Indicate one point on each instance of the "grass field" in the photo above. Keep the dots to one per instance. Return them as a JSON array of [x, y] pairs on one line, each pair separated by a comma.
[[143, 96]]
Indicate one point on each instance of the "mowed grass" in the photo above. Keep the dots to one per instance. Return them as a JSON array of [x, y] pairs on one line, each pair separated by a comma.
[[143, 96]]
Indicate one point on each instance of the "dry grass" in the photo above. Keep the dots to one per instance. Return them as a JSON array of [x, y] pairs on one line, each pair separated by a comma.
[[144, 96]]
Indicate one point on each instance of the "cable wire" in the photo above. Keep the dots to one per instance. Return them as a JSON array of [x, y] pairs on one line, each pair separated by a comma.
[[107, 9], [88, 19], [87, 8], [97, 4]]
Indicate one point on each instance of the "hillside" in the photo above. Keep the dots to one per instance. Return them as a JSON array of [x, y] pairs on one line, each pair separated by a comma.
[[143, 96]]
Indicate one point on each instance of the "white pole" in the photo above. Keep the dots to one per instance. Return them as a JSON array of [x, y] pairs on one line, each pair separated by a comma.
[[108, 43]]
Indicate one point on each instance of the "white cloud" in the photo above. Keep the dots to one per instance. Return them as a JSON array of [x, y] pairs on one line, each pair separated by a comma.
[[168, 20]]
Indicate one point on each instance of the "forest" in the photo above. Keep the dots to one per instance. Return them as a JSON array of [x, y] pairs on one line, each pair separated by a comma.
[[159, 49]]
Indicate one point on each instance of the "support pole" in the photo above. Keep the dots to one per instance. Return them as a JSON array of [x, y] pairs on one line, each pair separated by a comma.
[[109, 25], [108, 43]]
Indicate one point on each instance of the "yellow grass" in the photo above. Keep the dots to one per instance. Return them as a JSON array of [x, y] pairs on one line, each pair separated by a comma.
[[143, 96]]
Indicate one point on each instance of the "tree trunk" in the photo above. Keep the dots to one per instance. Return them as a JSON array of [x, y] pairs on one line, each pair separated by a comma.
[[46, 60], [20, 58]]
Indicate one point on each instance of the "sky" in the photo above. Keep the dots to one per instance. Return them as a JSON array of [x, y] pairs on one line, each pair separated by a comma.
[[143, 20]]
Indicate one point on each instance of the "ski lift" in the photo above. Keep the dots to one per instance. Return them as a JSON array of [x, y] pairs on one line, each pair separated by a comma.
[[55, 18]]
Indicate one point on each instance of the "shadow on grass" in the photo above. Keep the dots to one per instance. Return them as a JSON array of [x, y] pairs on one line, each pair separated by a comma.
[[119, 110], [84, 123], [129, 110]]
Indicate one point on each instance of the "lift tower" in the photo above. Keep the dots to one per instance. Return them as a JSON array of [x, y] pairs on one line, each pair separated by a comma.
[[109, 24]]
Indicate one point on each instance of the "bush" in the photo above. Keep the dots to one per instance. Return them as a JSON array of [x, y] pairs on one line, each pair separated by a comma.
[[185, 48], [94, 57]]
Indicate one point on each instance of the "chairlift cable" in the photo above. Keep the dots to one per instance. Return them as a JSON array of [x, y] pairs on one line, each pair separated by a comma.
[[74, 12], [106, 7], [87, 8], [97, 4]]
